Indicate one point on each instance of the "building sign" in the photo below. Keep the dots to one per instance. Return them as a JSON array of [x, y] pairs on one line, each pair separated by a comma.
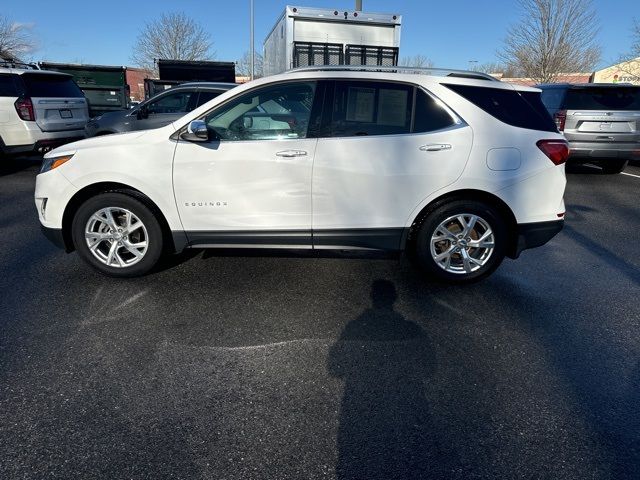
[[625, 72]]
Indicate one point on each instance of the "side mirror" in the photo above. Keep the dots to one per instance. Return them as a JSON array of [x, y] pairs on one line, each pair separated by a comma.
[[197, 131], [247, 122]]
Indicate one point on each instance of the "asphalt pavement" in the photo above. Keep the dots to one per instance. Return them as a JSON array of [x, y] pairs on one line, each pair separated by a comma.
[[224, 367]]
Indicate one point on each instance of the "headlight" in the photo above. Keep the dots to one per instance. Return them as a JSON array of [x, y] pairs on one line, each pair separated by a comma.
[[54, 162]]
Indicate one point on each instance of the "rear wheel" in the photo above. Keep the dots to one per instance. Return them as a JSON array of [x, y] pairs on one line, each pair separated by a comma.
[[613, 166], [461, 241], [117, 235]]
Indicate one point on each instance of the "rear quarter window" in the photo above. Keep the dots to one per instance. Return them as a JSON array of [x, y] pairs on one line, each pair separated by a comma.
[[552, 98], [518, 109], [8, 86], [429, 115], [51, 86]]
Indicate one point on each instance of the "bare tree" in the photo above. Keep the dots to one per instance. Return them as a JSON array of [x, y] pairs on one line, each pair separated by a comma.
[[635, 48], [416, 61], [16, 39], [243, 66], [629, 62], [552, 37], [174, 36], [497, 67]]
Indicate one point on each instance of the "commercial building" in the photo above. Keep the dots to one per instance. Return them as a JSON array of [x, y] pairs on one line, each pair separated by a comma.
[[624, 72]]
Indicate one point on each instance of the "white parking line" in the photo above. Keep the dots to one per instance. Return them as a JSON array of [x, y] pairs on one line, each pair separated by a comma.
[[630, 174]]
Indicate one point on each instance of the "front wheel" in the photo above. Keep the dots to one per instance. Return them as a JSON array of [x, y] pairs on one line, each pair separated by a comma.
[[117, 235], [461, 241]]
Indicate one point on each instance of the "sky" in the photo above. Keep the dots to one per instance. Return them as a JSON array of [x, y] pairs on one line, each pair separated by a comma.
[[450, 33]]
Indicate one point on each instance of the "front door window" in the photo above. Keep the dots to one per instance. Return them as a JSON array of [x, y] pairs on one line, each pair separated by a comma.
[[277, 112]]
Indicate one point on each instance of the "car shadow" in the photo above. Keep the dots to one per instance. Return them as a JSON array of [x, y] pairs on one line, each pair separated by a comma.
[[11, 165], [168, 262], [583, 168]]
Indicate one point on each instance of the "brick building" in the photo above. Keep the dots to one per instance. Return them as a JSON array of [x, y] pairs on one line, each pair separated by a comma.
[[135, 80], [579, 77]]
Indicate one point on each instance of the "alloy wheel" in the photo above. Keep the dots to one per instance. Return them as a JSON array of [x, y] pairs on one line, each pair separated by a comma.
[[462, 243], [116, 237]]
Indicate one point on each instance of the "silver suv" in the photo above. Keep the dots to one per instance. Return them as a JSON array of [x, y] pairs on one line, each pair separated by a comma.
[[39, 110], [601, 121]]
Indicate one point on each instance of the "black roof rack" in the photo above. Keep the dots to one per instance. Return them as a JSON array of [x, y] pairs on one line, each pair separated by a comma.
[[17, 64], [436, 72]]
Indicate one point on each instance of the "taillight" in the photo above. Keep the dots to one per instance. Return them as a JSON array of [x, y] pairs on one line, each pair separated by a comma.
[[24, 107], [556, 150], [560, 118]]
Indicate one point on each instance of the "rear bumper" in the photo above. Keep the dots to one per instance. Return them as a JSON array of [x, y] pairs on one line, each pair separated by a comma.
[[590, 150], [40, 145], [532, 235]]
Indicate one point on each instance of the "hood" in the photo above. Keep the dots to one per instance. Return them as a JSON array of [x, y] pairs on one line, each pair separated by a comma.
[[104, 141]]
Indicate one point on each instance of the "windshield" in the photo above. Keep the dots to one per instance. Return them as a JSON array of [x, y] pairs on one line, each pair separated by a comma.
[[594, 98]]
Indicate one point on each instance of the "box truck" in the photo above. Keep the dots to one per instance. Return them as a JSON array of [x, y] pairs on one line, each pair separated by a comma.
[[305, 36]]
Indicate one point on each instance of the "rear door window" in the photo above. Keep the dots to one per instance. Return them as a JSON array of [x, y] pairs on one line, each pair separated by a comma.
[[362, 108], [51, 86], [206, 95], [516, 108], [594, 98]]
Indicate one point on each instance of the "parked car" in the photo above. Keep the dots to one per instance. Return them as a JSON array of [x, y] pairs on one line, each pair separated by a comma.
[[457, 167], [158, 111], [39, 110], [601, 121]]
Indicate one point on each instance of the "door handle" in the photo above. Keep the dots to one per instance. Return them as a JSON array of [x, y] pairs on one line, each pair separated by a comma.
[[435, 147], [291, 153]]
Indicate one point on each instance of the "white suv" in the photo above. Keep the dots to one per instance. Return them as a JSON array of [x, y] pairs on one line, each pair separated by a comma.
[[39, 110], [456, 167]]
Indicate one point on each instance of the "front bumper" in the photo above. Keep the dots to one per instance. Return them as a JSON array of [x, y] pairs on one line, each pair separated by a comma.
[[532, 235], [55, 236]]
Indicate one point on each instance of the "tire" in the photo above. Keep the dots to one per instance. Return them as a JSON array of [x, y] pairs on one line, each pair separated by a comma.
[[437, 254], [613, 166], [99, 242]]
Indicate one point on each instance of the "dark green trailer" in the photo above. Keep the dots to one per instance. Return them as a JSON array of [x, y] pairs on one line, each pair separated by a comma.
[[175, 72], [104, 86]]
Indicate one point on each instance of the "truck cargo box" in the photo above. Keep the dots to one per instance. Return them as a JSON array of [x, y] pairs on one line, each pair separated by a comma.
[[196, 71], [305, 36]]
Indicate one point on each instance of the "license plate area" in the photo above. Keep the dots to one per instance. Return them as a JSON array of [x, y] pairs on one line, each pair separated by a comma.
[[604, 126], [65, 113]]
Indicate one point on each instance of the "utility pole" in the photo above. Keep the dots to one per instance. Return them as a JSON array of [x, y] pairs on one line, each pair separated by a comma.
[[252, 46]]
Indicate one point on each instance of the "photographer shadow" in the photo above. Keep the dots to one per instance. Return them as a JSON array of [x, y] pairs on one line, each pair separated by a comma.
[[386, 427]]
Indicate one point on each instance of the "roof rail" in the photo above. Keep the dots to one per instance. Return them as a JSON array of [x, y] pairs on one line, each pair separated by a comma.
[[17, 64], [436, 72]]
